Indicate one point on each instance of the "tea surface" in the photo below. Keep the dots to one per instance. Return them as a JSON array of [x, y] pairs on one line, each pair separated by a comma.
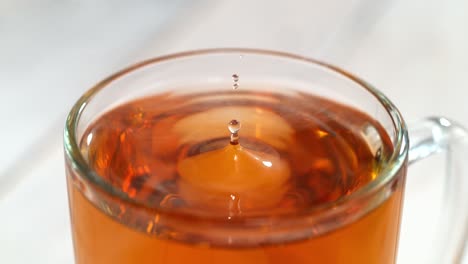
[[295, 152]]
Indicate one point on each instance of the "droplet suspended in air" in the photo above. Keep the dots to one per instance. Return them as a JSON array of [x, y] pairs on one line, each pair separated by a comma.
[[235, 79], [234, 127]]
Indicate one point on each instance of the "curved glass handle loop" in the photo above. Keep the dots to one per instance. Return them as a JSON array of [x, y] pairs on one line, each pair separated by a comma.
[[435, 135]]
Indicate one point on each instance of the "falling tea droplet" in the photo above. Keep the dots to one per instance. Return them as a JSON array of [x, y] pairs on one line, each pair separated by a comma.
[[234, 127], [235, 78]]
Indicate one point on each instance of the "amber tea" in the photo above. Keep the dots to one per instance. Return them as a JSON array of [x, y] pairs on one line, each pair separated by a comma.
[[234, 156]]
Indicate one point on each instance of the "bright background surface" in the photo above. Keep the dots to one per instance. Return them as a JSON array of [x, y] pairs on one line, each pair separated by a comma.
[[51, 51]]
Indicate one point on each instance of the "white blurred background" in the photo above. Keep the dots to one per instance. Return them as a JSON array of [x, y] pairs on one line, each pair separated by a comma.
[[51, 51]]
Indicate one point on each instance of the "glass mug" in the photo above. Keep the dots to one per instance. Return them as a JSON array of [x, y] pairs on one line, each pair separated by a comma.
[[133, 199]]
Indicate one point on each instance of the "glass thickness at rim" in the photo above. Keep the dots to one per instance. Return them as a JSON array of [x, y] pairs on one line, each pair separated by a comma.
[[317, 213]]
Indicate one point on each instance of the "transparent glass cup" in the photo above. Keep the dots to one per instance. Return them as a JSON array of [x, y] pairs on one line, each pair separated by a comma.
[[359, 228]]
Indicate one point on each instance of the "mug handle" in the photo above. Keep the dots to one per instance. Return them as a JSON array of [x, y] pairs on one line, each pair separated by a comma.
[[434, 135]]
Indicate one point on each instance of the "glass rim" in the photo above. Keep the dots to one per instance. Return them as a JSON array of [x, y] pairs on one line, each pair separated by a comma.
[[395, 163]]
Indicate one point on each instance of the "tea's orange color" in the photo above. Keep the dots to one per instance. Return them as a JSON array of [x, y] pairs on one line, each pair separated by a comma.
[[159, 151]]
